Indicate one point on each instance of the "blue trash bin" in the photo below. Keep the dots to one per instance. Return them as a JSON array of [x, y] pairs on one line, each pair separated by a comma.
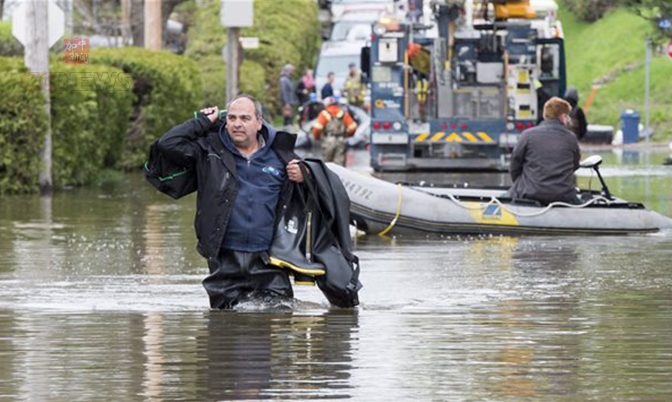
[[630, 126]]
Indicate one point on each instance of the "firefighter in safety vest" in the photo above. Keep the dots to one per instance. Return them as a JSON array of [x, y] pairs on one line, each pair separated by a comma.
[[353, 88], [419, 58], [422, 88], [334, 124]]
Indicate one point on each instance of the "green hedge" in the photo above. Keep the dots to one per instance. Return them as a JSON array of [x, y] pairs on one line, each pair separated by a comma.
[[9, 45], [90, 109], [89, 119], [167, 89], [288, 32], [22, 127], [101, 116]]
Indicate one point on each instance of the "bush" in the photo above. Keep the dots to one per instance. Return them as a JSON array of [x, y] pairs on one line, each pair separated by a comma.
[[167, 90], [90, 109], [22, 127], [288, 32], [87, 118], [9, 45], [590, 10]]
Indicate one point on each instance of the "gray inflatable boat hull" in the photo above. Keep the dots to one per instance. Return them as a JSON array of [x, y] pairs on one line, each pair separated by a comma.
[[379, 206]]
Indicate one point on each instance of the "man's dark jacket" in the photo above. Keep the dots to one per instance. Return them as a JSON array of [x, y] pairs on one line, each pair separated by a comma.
[[327, 90], [197, 146], [543, 163]]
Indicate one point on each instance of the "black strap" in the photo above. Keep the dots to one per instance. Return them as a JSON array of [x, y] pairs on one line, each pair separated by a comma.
[[311, 188], [314, 199]]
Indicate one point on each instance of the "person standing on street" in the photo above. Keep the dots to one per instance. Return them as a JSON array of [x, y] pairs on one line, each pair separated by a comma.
[[306, 87], [288, 98], [242, 166], [328, 89], [354, 89]]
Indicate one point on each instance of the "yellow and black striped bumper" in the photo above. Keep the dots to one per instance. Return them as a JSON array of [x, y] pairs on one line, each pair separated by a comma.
[[466, 137]]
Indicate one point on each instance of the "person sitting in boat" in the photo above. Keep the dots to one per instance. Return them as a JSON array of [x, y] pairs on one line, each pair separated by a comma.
[[545, 158]]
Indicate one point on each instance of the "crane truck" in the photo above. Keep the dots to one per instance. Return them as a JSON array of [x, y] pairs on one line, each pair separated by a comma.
[[453, 88]]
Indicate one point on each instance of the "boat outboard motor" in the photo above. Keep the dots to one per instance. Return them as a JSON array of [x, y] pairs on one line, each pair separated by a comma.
[[592, 162]]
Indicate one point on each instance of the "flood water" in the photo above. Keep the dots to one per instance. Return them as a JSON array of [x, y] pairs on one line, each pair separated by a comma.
[[100, 299]]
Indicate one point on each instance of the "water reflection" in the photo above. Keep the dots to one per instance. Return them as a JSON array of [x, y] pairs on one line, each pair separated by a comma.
[[539, 340], [260, 356]]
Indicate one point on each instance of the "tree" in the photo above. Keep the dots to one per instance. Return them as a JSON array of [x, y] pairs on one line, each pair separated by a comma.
[[138, 19], [105, 18], [655, 11]]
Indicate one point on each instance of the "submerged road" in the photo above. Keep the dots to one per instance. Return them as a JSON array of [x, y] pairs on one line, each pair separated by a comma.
[[100, 298]]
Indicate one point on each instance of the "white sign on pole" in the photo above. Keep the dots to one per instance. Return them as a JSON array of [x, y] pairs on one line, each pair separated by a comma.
[[249, 42], [56, 23], [237, 13]]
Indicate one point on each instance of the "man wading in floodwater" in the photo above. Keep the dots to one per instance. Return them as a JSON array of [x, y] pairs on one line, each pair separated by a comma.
[[241, 166]]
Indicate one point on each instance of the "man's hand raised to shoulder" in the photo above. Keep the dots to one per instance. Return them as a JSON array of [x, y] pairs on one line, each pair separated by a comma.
[[211, 112]]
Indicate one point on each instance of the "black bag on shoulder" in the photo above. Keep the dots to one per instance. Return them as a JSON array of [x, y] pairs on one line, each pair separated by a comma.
[[167, 177]]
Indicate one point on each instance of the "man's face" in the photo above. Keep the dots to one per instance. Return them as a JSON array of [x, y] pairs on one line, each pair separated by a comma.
[[331, 78], [242, 123]]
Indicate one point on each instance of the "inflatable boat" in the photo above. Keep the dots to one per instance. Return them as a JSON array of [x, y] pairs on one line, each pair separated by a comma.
[[380, 207]]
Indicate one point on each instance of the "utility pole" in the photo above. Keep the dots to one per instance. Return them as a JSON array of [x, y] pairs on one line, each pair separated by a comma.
[[647, 91], [234, 14], [126, 34], [37, 61], [232, 56], [38, 25], [153, 24]]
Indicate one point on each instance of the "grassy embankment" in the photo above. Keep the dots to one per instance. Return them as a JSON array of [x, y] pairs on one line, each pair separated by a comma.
[[612, 50]]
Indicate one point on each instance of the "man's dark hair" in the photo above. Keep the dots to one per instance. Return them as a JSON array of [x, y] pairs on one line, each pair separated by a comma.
[[258, 111]]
